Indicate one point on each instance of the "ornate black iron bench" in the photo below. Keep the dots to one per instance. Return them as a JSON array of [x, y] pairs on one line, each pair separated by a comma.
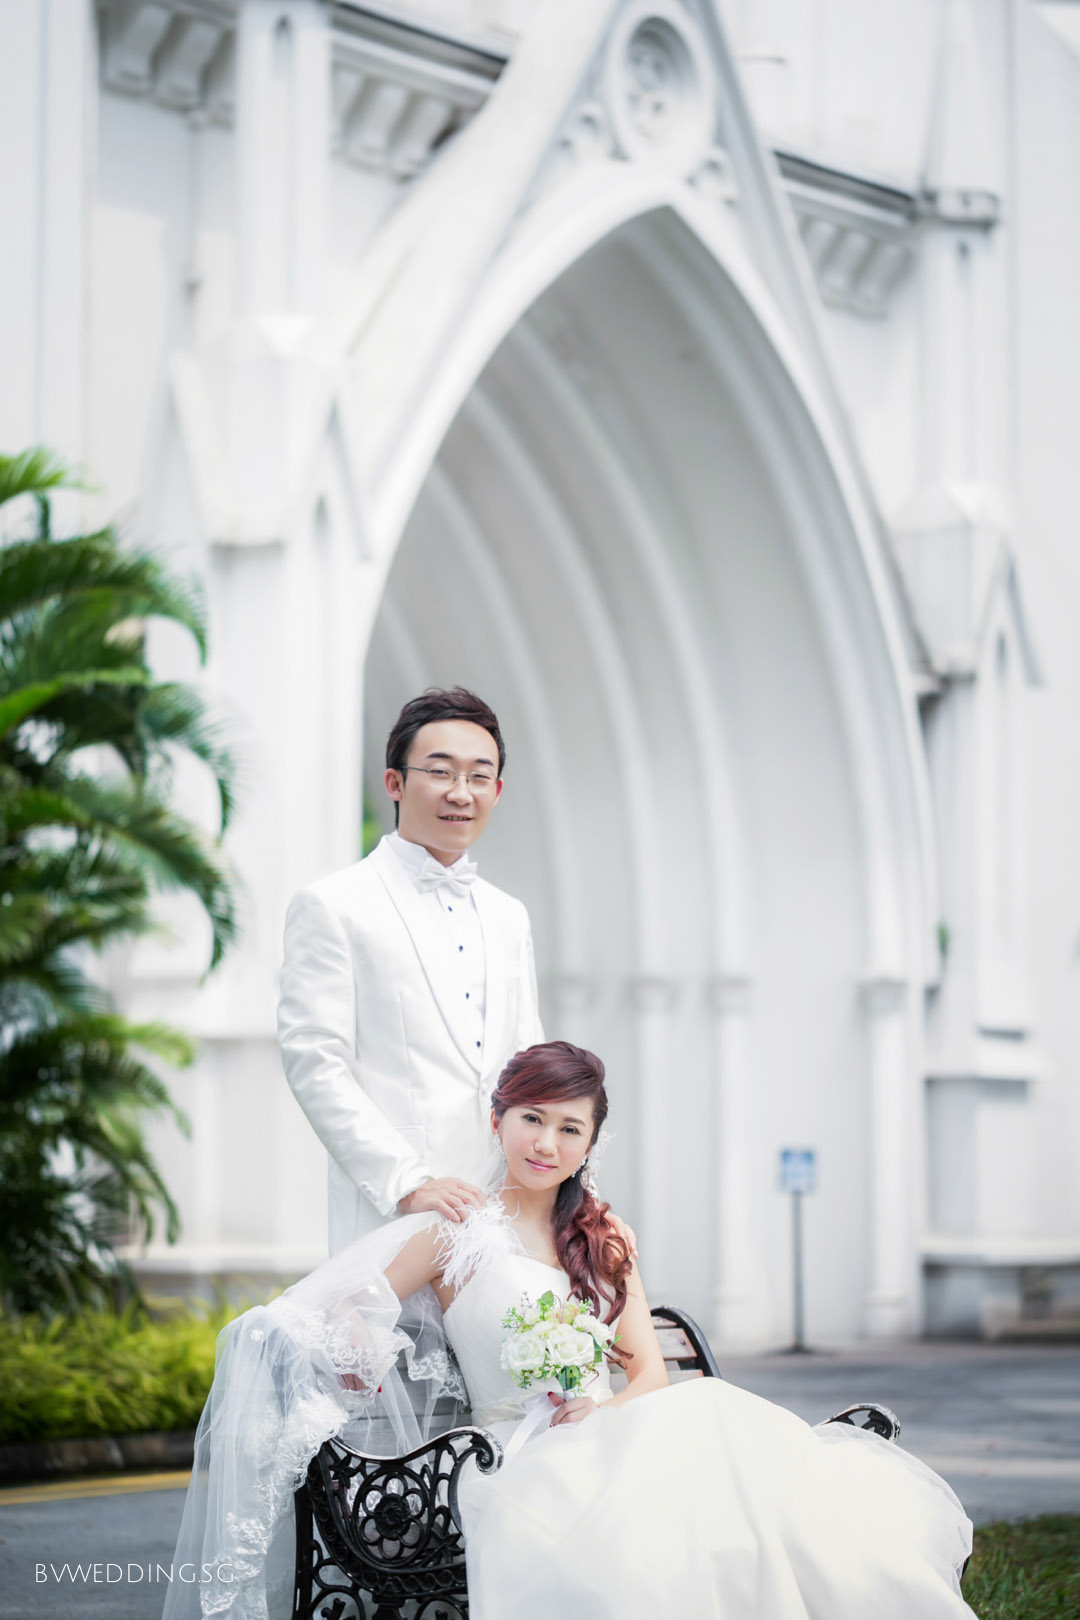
[[379, 1538]]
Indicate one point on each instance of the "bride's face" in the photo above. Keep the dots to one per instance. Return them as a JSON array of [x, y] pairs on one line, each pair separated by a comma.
[[545, 1143]]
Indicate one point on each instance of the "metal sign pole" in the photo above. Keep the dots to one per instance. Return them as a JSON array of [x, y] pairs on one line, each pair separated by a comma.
[[798, 1176], [799, 1341]]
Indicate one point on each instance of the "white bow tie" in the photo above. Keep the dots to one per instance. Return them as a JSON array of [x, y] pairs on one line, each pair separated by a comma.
[[434, 875]]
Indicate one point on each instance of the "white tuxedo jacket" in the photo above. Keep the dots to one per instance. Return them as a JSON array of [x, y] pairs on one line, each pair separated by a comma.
[[371, 1040]]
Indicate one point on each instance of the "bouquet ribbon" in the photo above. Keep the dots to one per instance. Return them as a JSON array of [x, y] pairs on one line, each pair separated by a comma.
[[538, 1413]]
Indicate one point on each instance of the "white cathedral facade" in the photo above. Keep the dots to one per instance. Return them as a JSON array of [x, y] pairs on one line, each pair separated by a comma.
[[698, 380]]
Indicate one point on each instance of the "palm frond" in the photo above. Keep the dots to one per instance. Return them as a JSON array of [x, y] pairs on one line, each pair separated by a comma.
[[33, 472], [178, 715], [73, 1099], [171, 851], [139, 585], [59, 1232], [19, 705], [45, 988], [90, 1054], [26, 806], [84, 849], [85, 632], [24, 919]]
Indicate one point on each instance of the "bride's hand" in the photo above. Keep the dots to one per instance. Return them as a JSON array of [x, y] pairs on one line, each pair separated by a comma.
[[574, 1411]]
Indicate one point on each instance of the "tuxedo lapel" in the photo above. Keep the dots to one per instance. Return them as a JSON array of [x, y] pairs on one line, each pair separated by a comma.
[[494, 976], [423, 930]]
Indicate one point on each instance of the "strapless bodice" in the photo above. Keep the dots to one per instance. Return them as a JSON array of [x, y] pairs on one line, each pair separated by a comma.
[[474, 1326]]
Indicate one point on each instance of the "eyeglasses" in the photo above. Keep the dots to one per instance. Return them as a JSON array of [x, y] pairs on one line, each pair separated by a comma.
[[477, 781]]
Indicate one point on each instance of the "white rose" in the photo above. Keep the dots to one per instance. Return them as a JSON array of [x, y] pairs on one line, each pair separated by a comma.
[[587, 1323], [532, 1315], [524, 1352], [569, 1348]]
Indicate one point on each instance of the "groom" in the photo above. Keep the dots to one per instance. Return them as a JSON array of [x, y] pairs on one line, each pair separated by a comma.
[[408, 982]]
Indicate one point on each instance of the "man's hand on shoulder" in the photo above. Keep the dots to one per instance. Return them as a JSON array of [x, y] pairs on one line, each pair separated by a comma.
[[448, 1195], [626, 1233]]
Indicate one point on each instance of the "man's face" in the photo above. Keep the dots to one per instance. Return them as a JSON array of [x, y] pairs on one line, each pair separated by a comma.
[[446, 813]]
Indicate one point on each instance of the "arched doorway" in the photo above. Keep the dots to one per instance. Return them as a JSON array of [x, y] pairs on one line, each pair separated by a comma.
[[634, 543]]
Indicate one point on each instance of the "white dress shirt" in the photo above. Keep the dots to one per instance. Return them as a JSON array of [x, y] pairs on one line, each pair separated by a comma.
[[461, 924]]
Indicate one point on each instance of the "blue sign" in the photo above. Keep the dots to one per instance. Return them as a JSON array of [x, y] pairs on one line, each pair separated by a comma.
[[798, 1170]]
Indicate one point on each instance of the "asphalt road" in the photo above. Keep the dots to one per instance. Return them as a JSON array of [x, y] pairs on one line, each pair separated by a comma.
[[1001, 1424]]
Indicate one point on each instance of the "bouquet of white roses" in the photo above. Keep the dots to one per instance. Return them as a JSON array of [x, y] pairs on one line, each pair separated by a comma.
[[554, 1338]]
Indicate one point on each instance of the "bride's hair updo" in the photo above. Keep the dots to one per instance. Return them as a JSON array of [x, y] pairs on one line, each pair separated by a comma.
[[596, 1261]]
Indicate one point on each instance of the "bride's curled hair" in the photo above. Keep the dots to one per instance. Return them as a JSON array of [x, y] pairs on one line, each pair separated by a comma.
[[593, 1257]]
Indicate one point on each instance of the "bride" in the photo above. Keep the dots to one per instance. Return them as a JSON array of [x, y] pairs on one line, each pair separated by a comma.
[[679, 1502]]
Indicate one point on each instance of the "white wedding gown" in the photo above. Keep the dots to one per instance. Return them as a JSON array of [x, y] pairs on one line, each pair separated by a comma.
[[696, 1501]]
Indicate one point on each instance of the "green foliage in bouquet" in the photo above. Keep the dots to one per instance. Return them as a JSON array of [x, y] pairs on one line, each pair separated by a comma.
[[105, 1372], [88, 742]]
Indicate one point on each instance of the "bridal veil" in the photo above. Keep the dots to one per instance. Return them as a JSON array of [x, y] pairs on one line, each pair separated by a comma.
[[336, 1354]]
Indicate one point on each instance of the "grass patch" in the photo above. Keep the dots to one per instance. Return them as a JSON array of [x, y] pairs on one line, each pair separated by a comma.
[[1026, 1571], [104, 1372]]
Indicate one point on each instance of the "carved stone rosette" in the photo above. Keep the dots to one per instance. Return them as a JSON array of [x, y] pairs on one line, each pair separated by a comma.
[[659, 88]]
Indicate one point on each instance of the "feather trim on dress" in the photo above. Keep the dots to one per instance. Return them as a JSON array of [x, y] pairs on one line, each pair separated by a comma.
[[468, 1246]]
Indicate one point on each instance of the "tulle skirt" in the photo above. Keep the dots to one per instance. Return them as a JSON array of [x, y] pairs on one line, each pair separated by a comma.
[[703, 1500]]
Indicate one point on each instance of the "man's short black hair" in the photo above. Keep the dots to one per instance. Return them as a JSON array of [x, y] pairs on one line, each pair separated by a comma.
[[439, 704]]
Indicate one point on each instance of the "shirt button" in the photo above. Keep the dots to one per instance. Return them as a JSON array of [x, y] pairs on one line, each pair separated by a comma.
[[466, 995], [478, 1043], [461, 947]]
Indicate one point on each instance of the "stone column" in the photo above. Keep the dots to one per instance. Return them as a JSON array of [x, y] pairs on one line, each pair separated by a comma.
[[889, 1306], [48, 106], [282, 138], [963, 572], [284, 582], [652, 1000], [739, 1304], [571, 997]]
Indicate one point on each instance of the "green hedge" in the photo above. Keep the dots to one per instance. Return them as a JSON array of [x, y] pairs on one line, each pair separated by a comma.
[[105, 1373]]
